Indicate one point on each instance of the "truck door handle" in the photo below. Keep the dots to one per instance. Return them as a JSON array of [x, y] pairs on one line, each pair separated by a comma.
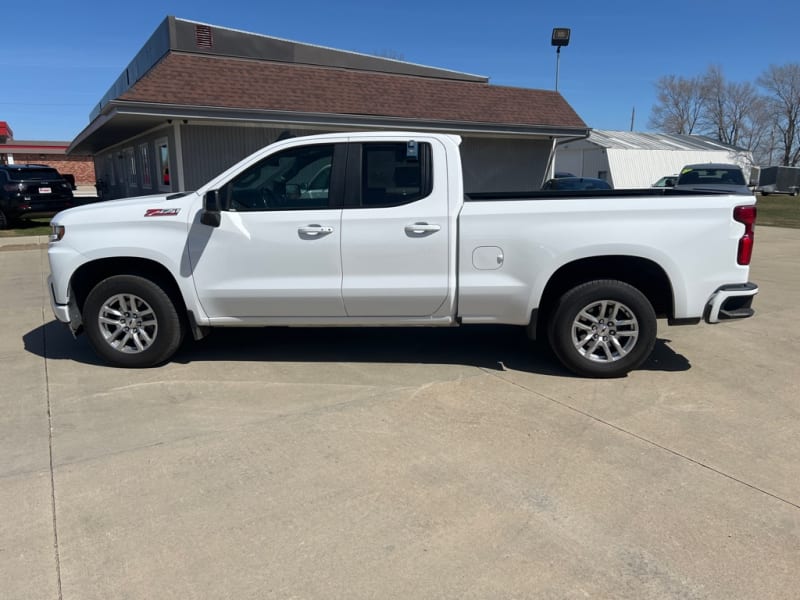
[[421, 229], [314, 231]]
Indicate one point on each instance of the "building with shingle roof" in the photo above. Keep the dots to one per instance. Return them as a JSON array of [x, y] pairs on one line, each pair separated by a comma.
[[197, 98]]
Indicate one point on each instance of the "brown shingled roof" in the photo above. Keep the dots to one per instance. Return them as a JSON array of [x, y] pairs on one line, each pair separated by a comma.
[[220, 82]]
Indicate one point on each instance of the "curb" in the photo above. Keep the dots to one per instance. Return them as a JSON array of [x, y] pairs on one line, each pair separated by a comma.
[[31, 240]]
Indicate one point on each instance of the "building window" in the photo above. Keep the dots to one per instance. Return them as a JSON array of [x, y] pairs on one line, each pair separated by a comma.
[[144, 156], [130, 160], [162, 161]]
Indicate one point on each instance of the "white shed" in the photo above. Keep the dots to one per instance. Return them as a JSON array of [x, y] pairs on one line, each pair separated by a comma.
[[637, 160]]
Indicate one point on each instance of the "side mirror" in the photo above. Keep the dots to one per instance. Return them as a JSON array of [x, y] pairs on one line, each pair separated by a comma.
[[211, 215]]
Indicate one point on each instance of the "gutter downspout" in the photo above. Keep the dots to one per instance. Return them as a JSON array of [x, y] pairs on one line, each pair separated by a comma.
[[179, 157], [548, 172]]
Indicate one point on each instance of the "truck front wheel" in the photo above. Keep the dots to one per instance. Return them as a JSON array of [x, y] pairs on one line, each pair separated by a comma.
[[132, 322], [603, 328]]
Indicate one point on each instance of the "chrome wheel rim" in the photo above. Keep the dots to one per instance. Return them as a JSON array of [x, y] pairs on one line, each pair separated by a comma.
[[605, 331], [128, 323]]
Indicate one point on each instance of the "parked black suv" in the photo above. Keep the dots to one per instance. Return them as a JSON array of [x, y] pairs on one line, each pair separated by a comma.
[[31, 191]]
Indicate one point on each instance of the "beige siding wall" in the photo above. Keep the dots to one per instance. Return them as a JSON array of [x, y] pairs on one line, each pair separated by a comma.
[[490, 164], [504, 165]]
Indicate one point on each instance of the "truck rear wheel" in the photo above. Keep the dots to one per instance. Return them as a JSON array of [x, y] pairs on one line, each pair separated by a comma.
[[132, 322], [603, 328]]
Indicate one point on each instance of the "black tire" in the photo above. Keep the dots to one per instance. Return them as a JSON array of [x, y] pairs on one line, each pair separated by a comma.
[[602, 328], [4, 223], [132, 322]]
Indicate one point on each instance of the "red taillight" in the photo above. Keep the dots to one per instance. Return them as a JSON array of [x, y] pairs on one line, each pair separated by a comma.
[[747, 216]]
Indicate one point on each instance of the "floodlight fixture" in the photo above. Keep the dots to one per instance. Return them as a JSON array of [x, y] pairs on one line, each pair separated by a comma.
[[560, 37]]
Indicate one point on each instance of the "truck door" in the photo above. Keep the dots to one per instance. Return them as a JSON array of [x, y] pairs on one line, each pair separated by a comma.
[[276, 251], [395, 232]]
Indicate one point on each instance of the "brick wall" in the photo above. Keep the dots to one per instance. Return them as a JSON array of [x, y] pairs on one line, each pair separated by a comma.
[[82, 167]]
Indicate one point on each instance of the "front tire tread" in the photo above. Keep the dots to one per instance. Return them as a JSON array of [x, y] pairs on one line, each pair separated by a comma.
[[170, 325]]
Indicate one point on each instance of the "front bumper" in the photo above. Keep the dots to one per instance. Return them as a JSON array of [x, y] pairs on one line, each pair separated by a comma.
[[731, 301], [66, 313]]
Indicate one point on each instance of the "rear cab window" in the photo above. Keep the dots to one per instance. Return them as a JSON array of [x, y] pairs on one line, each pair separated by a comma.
[[393, 173]]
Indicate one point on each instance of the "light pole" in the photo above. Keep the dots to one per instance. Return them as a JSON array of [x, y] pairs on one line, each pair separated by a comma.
[[559, 38]]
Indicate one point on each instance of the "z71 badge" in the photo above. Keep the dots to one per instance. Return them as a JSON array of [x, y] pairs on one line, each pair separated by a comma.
[[161, 212]]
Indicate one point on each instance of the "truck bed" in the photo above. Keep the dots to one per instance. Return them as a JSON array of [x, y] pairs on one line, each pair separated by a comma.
[[553, 194]]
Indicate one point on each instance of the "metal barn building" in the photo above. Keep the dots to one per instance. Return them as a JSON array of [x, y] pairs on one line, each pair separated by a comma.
[[197, 98], [637, 160]]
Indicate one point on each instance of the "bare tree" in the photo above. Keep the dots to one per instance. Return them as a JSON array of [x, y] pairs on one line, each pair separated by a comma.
[[680, 104], [782, 84], [733, 113], [757, 133], [713, 116]]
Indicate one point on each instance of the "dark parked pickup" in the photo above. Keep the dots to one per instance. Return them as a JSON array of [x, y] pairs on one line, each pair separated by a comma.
[[576, 184], [28, 191]]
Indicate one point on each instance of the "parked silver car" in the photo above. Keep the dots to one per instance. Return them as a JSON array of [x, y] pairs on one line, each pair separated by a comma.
[[667, 181]]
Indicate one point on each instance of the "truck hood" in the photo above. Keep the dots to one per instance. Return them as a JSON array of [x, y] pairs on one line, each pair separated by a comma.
[[172, 204]]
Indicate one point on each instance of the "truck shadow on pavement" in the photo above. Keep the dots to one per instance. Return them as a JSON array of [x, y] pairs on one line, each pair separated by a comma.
[[485, 346]]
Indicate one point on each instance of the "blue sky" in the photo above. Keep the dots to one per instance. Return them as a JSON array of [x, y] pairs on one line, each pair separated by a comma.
[[58, 58]]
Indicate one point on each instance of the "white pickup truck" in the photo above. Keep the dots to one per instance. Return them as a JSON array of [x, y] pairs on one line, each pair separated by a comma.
[[375, 229]]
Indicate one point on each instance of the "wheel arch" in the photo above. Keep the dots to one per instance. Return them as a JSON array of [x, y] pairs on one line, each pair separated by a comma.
[[91, 273], [642, 273]]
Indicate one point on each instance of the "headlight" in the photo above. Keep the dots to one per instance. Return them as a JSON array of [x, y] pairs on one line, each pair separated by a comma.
[[56, 233]]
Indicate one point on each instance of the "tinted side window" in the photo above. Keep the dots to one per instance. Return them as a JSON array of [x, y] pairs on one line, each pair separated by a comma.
[[295, 179], [391, 175]]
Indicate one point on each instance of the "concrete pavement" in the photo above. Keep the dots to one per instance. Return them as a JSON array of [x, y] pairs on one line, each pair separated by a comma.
[[401, 463]]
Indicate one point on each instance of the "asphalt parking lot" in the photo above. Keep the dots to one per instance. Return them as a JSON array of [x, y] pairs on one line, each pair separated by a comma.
[[401, 463]]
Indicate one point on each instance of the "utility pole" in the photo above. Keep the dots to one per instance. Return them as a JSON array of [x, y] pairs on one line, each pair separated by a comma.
[[558, 62]]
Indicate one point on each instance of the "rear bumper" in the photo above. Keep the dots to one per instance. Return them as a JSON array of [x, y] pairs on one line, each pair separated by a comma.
[[731, 301], [38, 206]]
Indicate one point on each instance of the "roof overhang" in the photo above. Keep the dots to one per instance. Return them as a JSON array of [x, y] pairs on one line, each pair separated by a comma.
[[120, 121]]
